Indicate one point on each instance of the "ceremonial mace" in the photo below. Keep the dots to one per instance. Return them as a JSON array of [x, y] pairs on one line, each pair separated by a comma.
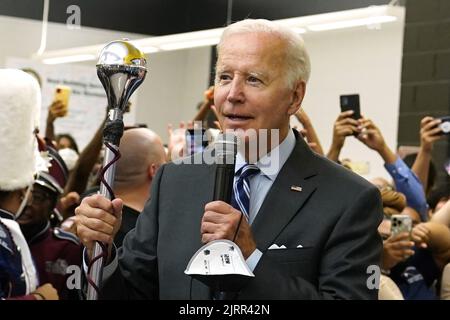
[[121, 69]]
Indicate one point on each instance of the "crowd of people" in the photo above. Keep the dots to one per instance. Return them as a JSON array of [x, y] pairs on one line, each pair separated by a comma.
[[332, 223]]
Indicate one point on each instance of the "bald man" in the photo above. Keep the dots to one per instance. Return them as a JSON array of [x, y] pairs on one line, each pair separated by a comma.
[[142, 154]]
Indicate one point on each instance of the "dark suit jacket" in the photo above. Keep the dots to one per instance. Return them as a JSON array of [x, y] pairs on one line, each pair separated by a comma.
[[335, 218]]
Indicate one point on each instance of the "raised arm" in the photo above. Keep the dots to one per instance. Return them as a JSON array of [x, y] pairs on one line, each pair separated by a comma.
[[56, 110], [344, 126], [429, 134], [436, 237], [79, 176], [310, 133], [208, 101], [405, 180], [443, 215]]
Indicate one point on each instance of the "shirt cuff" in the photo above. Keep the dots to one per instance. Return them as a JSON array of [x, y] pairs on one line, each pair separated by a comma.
[[109, 269], [398, 168], [253, 259]]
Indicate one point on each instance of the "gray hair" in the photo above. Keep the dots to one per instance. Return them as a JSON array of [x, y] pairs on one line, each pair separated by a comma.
[[298, 65]]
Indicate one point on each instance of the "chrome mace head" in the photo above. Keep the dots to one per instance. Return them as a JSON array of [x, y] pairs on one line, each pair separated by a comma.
[[121, 68]]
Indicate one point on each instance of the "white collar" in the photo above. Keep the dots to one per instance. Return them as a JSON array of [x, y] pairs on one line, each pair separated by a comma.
[[271, 164]]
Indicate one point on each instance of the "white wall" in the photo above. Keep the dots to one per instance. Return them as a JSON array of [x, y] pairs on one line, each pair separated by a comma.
[[22, 37], [173, 87], [357, 60]]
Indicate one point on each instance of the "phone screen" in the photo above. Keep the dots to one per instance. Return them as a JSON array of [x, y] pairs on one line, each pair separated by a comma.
[[351, 102], [196, 141]]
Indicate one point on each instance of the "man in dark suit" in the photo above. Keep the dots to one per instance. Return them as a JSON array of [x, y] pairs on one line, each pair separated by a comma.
[[311, 226]]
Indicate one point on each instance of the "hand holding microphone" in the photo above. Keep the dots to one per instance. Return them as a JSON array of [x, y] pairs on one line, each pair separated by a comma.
[[220, 263], [222, 221]]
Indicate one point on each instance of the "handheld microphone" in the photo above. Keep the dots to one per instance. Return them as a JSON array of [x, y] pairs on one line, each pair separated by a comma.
[[225, 149], [225, 280]]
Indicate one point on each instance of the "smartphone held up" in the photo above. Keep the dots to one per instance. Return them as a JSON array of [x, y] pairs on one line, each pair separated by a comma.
[[61, 96], [400, 223], [351, 102]]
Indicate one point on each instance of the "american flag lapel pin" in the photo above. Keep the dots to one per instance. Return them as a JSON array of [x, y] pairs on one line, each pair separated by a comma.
[[296, 188]]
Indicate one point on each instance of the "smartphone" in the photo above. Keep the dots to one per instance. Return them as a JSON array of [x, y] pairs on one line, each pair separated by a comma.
[[445, 125], [400, 223], [196, 140], [62, 94], [351, 102]]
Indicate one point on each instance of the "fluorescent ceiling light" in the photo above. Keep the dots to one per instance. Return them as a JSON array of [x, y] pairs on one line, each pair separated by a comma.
[[149, 49], [67, 59], [190, 44], [299, 30], [351, 23], [320, 22]]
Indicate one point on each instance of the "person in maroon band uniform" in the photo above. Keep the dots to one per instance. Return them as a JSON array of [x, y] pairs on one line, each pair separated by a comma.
[[53, 249]]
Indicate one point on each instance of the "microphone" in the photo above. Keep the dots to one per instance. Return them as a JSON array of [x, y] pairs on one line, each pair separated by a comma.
[[219, 264], [225, 149]]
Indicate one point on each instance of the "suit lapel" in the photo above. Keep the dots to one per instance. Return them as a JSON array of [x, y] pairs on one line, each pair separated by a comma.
[[281, 203], [279, 207]]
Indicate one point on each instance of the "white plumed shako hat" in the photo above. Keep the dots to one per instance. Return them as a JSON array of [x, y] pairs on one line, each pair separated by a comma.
[[20, 104]]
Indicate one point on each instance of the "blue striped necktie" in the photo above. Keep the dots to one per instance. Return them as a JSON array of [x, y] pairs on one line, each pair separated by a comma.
[[240, 199]]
